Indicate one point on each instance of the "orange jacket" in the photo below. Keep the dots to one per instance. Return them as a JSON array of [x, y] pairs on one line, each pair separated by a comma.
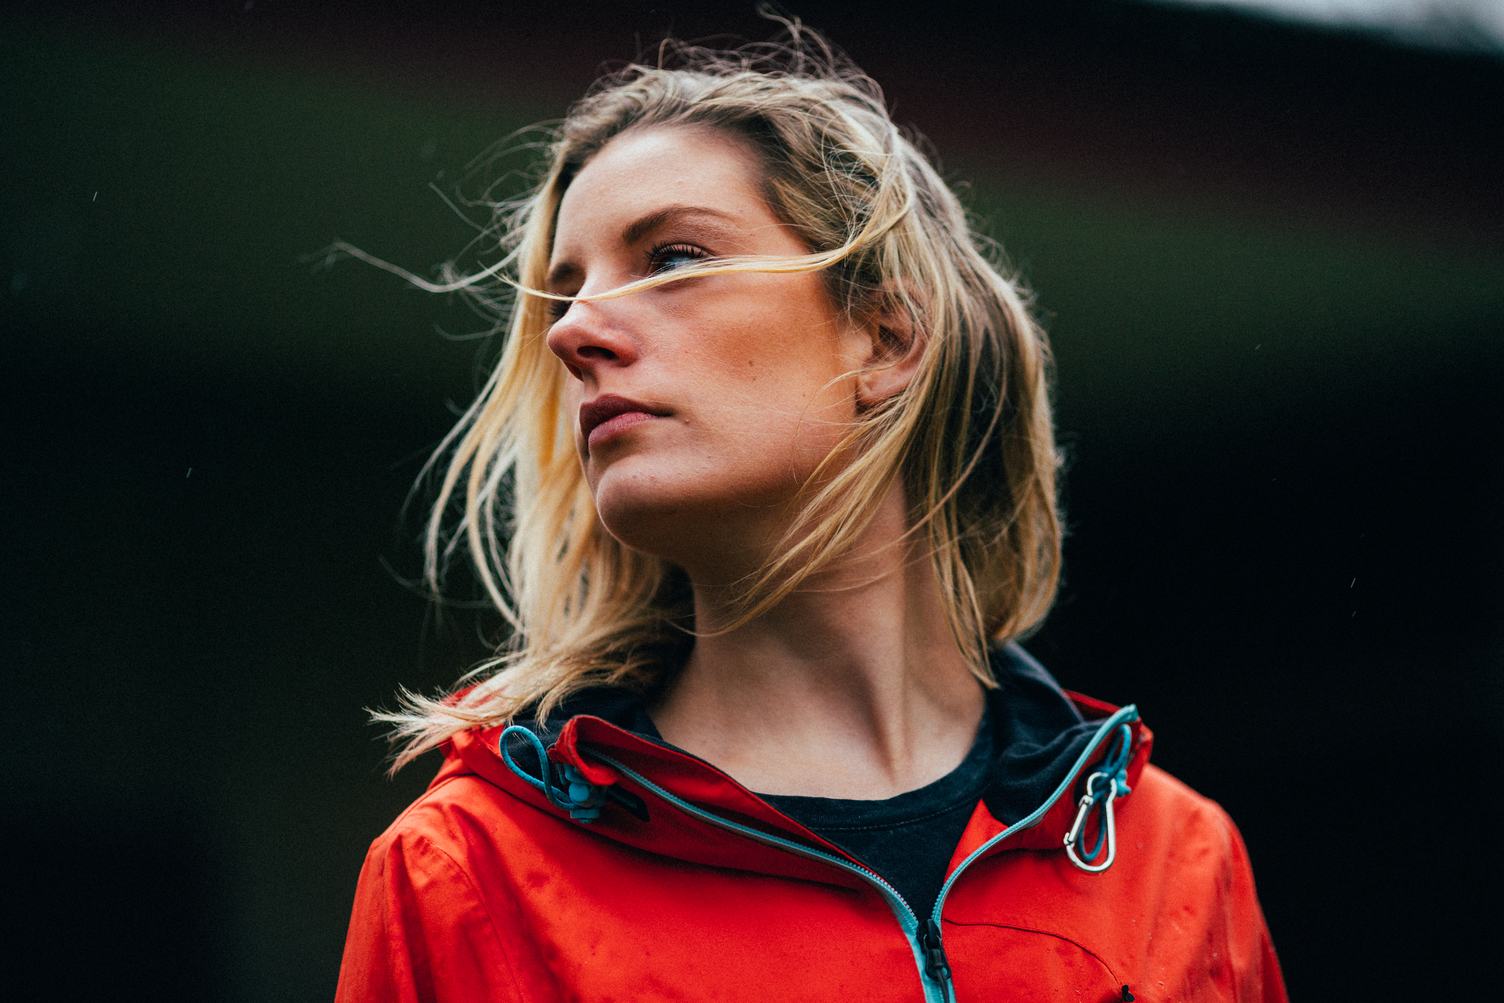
[[638, 872]]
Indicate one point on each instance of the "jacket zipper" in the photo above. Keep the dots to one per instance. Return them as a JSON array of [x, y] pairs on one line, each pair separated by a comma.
[[925, 939], [1122, 716]]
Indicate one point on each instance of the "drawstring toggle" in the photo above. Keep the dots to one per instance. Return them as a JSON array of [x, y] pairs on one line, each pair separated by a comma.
[[564, 786], [583, 798]]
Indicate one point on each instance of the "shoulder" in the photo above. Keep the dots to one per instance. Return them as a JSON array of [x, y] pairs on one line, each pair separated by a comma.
[[425, 922], [419, 861], [1187, 848], [1166, 805], [466, 829], [1170, 796], [445, 823], [1186, 843], [445, 862]]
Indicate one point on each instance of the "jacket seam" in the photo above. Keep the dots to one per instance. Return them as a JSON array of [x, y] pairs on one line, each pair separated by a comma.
[[1047, 933], [485, 907]]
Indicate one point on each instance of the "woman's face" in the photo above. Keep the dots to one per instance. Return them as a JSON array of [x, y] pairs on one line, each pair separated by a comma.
[[701, 406]]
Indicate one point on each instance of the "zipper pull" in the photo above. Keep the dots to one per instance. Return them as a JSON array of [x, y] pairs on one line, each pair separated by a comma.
[[936, 965]]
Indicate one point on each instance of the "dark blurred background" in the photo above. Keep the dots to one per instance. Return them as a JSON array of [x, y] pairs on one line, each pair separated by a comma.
[[1271, 257]]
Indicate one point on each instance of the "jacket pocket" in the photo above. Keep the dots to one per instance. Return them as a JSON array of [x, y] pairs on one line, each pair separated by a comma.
[[992, 961]]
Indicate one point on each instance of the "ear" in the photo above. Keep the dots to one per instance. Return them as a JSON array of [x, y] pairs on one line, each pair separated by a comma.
[[896, 346]]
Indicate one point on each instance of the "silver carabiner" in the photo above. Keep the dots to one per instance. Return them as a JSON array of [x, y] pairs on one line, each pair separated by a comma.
[[1087, 801]]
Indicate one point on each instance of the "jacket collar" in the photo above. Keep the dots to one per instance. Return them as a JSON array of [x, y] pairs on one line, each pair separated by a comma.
[[1049, 741]]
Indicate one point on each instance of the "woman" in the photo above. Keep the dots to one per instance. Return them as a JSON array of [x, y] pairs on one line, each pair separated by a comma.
[[769, 448]]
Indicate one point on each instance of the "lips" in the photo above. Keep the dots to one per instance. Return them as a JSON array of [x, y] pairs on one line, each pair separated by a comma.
[[604, 408]]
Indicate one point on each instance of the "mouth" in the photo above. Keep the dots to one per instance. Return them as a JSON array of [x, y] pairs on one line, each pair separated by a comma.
[[607, 414]]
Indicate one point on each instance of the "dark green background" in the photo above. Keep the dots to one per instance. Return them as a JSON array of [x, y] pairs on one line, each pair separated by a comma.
[[1271, 264]]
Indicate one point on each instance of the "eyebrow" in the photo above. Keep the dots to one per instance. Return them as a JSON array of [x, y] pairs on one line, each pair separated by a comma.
[[637, 230]]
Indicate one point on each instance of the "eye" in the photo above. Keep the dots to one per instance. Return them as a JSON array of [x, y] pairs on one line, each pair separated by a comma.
[[557, 308], [666, 257]]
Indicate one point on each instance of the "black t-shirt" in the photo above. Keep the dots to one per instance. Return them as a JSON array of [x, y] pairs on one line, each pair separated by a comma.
[[908, 839]]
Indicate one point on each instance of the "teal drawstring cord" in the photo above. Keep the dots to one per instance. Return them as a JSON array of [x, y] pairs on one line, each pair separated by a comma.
[[578, 796], [1103, 787]]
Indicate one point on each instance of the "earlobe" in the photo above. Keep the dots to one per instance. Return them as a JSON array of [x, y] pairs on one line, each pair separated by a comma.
[[897, 346]]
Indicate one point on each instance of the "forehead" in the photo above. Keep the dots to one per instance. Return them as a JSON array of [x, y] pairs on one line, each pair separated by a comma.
[[644, 168]]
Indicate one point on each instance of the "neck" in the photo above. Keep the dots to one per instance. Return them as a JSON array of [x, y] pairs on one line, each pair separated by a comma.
[[852, 686]]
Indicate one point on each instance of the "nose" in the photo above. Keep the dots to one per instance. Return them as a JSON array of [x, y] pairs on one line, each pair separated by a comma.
[[590, 336]]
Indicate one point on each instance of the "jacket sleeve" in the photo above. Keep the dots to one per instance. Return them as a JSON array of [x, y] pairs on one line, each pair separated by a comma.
[[420, 932], [1257, 971]]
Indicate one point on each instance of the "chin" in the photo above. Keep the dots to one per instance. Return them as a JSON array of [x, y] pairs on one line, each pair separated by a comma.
[[646, 512], [679, 518], [691, 511]]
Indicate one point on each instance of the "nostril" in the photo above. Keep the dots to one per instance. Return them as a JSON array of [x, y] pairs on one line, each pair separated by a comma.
[[585, 339]]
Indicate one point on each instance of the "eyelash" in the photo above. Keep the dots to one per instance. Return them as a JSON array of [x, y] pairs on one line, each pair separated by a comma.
[[557, 308], [662, 251]]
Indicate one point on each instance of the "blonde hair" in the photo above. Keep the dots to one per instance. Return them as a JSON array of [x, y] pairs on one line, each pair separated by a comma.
[[970, 437]]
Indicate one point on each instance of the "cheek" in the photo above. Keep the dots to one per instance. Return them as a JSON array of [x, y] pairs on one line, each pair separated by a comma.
[[787, 396], [783, 426], [791, 359]]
